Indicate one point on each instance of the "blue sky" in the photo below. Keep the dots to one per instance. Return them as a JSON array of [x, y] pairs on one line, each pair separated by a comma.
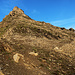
[[59, 13]]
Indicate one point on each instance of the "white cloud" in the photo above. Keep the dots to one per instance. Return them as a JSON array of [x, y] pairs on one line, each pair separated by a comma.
[[35, 12], [64, 23]]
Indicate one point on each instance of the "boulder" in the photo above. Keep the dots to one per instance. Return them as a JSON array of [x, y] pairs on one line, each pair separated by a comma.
[[1, 73], [17, 57]]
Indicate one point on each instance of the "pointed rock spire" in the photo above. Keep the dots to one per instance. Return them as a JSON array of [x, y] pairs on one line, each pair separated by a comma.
[[18, 9], [16, 13]]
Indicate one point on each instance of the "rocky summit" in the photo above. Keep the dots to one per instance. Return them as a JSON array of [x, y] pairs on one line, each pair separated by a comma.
[[29, 47]]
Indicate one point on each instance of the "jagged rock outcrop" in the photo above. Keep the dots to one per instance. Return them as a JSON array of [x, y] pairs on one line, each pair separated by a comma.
[[16, 11], [62, 28], [71, 29]]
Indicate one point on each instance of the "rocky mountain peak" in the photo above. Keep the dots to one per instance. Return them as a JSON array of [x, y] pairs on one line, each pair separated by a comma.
[[29, 47], [16, 11]]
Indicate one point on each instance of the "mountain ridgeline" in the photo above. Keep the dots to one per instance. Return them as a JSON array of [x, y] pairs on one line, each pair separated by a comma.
[[42, 49]]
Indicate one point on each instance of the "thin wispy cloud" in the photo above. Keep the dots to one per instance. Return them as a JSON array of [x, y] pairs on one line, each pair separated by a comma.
[[35, 12], [64, 23]]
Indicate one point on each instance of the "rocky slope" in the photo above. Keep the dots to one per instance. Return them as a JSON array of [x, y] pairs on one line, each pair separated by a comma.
[[29, 47]]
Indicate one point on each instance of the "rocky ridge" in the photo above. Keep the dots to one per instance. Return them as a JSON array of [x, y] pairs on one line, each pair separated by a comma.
[[29, 47]]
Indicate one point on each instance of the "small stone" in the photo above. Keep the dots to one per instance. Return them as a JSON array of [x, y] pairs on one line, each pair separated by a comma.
[[56, 48], [1, 73], [51, 55], [17, 56], [69, 65], [74, 68], [42, 72], [33, 53], [8, 73], [68, 68], [50, 59], [7, 64]]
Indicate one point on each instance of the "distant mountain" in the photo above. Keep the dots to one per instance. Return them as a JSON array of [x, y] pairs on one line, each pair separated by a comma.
[[29, 47]]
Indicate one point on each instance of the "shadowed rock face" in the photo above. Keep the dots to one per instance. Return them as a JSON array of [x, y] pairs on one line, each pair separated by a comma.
[[29, 47], [71, 29], [62, 28]]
